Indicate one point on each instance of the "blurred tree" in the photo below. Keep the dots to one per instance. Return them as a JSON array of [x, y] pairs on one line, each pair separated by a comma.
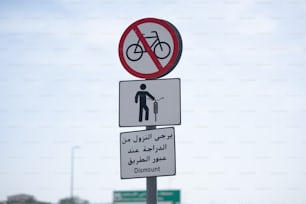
[[30, 201], [75, 200], [21, 199]]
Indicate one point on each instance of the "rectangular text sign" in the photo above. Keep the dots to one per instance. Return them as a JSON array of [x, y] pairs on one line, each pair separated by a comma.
[[149, 102], [147, 153], [140, 197]]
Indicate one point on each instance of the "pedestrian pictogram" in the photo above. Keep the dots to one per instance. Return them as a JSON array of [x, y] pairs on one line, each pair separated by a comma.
[[150, 48], [142, 95]]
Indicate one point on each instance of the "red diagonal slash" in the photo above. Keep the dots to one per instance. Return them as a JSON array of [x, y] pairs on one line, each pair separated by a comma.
[[148, 48]]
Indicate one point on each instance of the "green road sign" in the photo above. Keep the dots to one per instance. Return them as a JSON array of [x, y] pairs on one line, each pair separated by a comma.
[[139, 197]]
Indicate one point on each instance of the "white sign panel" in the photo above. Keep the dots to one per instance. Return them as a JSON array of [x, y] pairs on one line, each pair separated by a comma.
[[149, 102], [147, 153]]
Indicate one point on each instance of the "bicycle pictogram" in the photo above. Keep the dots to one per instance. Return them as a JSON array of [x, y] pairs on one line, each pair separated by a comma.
[[161, 49]]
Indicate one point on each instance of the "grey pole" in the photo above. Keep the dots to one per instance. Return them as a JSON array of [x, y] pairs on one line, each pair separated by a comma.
[[151, 182], [151, 190], [72, 172]]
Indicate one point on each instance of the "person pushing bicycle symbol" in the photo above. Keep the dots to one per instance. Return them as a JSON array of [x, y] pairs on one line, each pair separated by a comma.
[[142, 96], [161, 49]]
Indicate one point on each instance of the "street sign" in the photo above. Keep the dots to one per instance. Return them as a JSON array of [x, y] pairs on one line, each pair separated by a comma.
[[139, 197], [149, 102], [147, 153], [150, 48]]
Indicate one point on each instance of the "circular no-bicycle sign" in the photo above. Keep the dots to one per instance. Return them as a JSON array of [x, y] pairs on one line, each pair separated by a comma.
[[150, 48]]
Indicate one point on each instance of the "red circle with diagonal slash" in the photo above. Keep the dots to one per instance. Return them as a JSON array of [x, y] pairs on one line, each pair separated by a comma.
[[161, 69]]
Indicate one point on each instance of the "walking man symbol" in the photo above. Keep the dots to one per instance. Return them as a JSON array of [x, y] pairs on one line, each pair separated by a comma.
[[142, 95]]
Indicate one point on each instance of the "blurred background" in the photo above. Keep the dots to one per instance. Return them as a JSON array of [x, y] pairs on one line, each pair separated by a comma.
[[242, 138]]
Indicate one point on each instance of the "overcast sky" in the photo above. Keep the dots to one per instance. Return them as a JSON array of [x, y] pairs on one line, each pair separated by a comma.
[[243, 80]]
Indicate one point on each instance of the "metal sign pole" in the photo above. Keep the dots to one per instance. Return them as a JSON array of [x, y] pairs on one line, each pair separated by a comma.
[[151, 182], [152, 190]]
